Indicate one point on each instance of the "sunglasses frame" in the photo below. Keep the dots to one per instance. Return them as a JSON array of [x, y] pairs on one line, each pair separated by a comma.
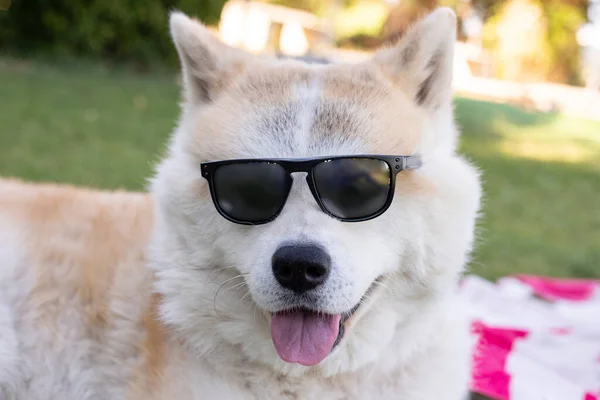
[[292, 165]]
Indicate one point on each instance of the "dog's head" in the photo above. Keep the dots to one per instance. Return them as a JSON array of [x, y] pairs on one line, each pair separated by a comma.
[[307, 288]]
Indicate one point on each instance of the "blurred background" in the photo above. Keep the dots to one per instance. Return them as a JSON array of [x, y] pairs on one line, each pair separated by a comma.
[[89, 94]]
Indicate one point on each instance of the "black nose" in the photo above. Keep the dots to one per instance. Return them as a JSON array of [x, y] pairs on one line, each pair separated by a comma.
[[301, 267]]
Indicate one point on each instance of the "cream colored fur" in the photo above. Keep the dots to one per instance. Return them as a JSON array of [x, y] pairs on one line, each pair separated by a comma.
[[134, 296]]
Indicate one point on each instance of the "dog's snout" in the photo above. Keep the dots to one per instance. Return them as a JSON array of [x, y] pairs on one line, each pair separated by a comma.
[[301, 268]]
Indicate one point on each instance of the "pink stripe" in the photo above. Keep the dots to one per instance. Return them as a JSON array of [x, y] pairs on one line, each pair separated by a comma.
[[561, 331], [489, 360], [561, 289], [590, 396]]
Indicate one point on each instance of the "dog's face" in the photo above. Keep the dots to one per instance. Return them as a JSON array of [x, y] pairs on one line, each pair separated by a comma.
[[307, 288]]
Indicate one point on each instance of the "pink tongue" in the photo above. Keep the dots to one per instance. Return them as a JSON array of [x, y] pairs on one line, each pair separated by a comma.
[[303, 336]]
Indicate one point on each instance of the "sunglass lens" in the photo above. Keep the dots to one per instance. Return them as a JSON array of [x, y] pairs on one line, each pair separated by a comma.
[[353, 188], [251, 192]]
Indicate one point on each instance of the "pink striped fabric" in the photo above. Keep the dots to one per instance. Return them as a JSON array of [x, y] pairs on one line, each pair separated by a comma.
[[536, 338]]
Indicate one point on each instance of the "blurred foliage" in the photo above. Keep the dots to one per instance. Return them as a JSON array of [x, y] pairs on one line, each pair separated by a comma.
[[540, 48], [403, 15], [516, 34], [535, 40], [563, 21], [531, 40], [362, 18], [123, 30], [348, 18], [317, 7]]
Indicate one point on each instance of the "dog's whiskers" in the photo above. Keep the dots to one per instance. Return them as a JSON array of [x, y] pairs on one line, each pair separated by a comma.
[[242, 276], [241, 299], [218, 272], [380, 282]]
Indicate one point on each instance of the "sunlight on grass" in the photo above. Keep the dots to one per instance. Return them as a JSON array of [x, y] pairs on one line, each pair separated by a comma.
[[544, 151], [541, 177], [562, 139]]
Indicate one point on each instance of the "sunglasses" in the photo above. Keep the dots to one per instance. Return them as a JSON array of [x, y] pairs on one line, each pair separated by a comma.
[[348, 188]]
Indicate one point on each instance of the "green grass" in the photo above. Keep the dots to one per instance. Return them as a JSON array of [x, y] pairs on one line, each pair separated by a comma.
[[86, 125], [83, 124]]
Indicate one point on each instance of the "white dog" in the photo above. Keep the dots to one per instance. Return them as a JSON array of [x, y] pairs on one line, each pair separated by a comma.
[[312, 277]]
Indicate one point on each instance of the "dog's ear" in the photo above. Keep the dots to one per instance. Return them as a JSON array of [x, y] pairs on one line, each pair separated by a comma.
[[206, 62], [421, 62]]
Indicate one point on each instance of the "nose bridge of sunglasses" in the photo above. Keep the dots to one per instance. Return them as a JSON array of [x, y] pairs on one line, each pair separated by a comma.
[[301, 186], [299, 178]]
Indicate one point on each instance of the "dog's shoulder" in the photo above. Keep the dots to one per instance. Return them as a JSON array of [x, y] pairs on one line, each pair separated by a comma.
[[58, 224], [71, 272]]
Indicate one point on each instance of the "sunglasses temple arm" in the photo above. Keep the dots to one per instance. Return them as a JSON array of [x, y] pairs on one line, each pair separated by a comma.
[[411, 162]]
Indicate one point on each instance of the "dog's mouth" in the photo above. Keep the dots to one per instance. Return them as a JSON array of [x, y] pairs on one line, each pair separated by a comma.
[[345, 317], [306, 336]]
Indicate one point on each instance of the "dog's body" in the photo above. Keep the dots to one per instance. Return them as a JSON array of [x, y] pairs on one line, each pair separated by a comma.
[[134, 296]]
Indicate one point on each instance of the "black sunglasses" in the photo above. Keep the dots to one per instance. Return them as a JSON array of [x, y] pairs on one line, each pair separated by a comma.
[[348, 188]]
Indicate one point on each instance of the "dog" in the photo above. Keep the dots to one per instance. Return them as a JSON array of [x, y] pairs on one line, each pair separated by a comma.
[[303, 237]]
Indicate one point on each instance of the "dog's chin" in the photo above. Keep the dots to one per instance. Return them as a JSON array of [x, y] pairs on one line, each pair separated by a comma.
[[307, 335]]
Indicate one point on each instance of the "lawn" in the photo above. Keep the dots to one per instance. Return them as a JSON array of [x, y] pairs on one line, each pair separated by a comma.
[[85, 125]]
